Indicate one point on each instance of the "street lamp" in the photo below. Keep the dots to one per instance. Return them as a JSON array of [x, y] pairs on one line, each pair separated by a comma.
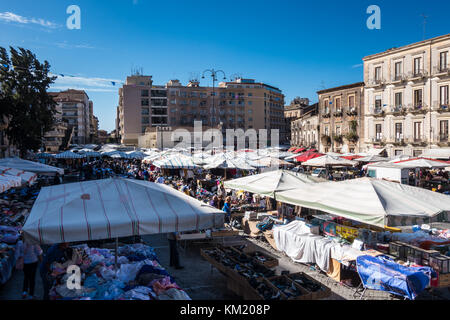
[[214, 74]]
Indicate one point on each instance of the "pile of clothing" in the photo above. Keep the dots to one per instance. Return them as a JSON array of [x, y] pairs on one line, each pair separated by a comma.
[[139, 276], [7, 262]]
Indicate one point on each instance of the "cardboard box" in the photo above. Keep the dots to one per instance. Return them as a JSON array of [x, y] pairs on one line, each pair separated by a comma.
[[323, 292], [306, 295]]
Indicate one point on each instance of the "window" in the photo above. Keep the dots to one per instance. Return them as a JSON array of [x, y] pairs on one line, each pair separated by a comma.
[[145, 120], [325, 106], [443, 130], [378, 73], [398, 70], [143, 129], [417, 153], [144, 102], [417, 133], [338, 104], [144, 93], [398, 131], [378, 133], [145, 111], [443, 95], [398, 152], [443, 61], [250, 94], [351, 102], [417, 66], [338, 130], [250, 103], [398, 100], [418, 98]]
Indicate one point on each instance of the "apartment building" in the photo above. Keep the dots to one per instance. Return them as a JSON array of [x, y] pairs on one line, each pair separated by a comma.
[[74, 108], [341, 118], [293, 112], [305, 127], [242, 103], [142, 105], [407, 97]]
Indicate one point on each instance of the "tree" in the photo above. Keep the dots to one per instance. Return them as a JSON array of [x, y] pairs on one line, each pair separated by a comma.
[[24, 99]]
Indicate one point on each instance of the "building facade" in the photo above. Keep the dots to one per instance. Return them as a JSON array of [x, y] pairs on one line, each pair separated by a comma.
[[141, 105], [239, 104], [305, 127], [74, 108], [293, 112], [407, 97], [341, 118]]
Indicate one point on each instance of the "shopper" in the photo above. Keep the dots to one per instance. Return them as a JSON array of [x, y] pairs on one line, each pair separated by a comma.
[[173, 245], [55, 253], [27, 257], [227, 209]]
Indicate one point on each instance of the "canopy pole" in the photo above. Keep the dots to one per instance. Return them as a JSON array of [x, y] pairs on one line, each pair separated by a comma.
[[115, 258]]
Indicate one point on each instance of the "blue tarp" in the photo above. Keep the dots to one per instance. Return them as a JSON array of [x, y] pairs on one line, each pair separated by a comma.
[[381, 273]]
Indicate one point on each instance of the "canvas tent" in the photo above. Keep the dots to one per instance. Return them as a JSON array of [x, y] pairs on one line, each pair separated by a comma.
[[270, 183], [114, 208], [174, 162], [369, 201], [26, 177], [224, 161], [328, 160], [30, 166], [422, 163]]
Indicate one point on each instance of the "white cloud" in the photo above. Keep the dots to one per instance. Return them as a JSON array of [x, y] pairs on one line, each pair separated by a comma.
[[357, 66], [12, 17], [85, 83]]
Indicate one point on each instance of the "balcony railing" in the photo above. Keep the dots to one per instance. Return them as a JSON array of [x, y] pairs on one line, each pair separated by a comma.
[[398, 78], [440, 70], [418, 74], [376, 82], [398, 109]]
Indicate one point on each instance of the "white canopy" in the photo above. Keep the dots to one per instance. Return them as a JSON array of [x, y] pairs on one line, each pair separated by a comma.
[[328, 160], [7, 182], [422, 163], [224, 161], [111, 208], [368, 200], [31, 166], [175, 162], [372, 158], [270, 183], [26, 177]]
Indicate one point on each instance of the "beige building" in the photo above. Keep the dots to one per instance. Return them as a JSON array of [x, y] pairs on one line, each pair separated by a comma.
[[243, 104], [305, 127], [141, 105], [341, 118], [293, 112], [75, 108], [407, 97], [58, 138]]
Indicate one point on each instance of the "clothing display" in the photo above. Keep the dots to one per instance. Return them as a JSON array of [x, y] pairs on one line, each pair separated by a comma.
[[139, 276]]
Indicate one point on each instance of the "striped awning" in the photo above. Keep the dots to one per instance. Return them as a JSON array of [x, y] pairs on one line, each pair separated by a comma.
[[26, 177], [112, 208], [69, 155], [7, 182], [175, 163]]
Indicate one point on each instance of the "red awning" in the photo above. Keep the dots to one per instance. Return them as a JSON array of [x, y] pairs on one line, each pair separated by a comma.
[[299, 150], [307, 156], [292, 149]]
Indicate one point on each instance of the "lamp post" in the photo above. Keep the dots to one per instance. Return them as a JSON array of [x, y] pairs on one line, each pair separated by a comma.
[[214, 74]]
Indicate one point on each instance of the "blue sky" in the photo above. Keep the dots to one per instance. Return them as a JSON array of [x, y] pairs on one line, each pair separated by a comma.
[[298, 46]]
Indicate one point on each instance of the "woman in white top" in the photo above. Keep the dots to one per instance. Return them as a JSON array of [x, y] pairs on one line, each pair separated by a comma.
[[28, 256]]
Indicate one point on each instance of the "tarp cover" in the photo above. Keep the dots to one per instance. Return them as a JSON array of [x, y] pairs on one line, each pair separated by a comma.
[[301, 246], [110, 208], [380, 273], [30, 166]]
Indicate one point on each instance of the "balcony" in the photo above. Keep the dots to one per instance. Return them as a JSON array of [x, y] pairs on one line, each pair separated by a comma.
[[441, 107], [418, 108], [398, 79], [326, 114], [378, 112], [398, 110], [338, 113], [417, 75], [374, 83], [351, 112], [441, 70]]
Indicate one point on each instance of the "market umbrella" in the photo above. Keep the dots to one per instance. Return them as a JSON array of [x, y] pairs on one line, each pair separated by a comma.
[[327, 160], [291, 149], [371, 201], [114, 208], [175, 162], [26, 177], [69, 155], [224, 161], [307, 156], [299, 150], [422, 163], [270, 183], [7, 182], [31, 166], [372, 158], [269, 162], [44, 155]]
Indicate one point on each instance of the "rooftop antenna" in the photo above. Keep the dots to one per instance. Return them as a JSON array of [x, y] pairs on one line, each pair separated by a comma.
[[424, 24]]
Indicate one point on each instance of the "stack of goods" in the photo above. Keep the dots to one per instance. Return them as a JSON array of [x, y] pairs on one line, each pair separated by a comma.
[[317, 290], [139, 276], [9, 235], [291, 289], [7, 262]]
